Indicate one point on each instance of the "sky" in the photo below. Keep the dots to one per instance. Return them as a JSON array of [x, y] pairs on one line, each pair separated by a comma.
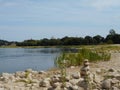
[[37, 19]]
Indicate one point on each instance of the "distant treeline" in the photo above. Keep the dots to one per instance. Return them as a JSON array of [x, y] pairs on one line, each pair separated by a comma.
[[111, 38]]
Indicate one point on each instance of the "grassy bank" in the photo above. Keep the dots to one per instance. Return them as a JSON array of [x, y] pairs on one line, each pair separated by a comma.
[[75, 59]]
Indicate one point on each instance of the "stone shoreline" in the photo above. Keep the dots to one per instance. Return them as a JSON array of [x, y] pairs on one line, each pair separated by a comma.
[[101, 78]]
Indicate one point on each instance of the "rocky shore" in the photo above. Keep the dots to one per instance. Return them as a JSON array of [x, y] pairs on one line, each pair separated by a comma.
[[103, 76]]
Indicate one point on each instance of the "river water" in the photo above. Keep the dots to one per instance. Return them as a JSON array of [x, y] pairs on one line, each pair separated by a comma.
[[20, 59]]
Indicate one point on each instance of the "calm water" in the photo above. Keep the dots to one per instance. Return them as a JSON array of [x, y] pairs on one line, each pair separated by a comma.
[[20, 59]]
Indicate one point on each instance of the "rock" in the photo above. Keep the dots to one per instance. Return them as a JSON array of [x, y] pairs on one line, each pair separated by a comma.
[[2, 89], [118, 77], [83, 84], [28, 70], [42, 72], [98, 71], [76, 75], [95, 78], [34, 72], [106, 84], [111, 70], [50, 88], [80, 88], [55, 85], [68, 84], [115, 81], [72, 67], [115, 88], [75, 87], [20, 74], [55, 79], [7, 77], [112, 74], [44, 83], [74, 81], [68, 78]]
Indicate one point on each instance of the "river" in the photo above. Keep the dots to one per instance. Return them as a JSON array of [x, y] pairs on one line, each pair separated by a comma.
[[20, 59]]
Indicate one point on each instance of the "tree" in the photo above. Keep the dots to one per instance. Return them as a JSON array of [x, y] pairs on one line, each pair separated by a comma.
[[88, 40], [112, 32], [98, 39]]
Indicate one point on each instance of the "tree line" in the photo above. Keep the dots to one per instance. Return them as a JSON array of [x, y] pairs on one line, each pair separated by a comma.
[[111, 38]]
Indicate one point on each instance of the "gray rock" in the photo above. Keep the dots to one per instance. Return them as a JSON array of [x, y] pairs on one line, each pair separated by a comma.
[[44, 83], [55, 79], [115, 88], [118, 77], [68, 78], [75, 87], [74, 81], [68, 84], [20, 74], [76, 75], [106, 84], [55, 85], [2, 89], [98, 71]]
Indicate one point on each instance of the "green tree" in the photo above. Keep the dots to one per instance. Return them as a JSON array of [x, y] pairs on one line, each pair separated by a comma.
[[98, 39], [112, 32]]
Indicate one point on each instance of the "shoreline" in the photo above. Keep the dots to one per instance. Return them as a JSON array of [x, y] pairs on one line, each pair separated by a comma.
[[104, 75]]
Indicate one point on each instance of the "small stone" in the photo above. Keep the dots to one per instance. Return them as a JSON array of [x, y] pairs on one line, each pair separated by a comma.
[[55, 85], [67, 78], [111, 70], [2, 89], [28, 70], [72, 67], [74, 81], [54, 80], [44, 83], [76, 76], [118, 77], [73, 87], [115, 88], [42, 72], [68, 84], [98, 71]]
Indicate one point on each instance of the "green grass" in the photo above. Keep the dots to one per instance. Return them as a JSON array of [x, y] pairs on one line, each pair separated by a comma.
[[75, 59]]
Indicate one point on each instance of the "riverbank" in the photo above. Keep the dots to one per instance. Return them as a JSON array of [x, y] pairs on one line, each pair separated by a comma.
[[103, 75]]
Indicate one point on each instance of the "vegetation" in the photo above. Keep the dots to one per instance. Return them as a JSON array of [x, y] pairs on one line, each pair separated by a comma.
[[111, 38], [75, 59]]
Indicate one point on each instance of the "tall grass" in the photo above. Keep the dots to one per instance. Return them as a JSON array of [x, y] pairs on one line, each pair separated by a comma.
[[75, 59]]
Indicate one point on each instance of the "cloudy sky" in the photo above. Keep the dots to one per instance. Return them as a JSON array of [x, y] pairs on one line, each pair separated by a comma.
[[37, 19]]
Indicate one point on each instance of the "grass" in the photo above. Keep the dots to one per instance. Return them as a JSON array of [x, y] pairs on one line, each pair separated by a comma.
[[75, 59]]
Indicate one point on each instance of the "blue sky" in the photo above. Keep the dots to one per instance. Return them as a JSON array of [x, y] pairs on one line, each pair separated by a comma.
[[37, 19]]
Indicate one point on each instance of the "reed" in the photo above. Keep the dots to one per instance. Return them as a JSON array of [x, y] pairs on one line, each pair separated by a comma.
[[75, 59]]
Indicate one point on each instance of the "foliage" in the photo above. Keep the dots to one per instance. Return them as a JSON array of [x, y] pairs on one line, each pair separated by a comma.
[[75, 59], [111, 38]]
